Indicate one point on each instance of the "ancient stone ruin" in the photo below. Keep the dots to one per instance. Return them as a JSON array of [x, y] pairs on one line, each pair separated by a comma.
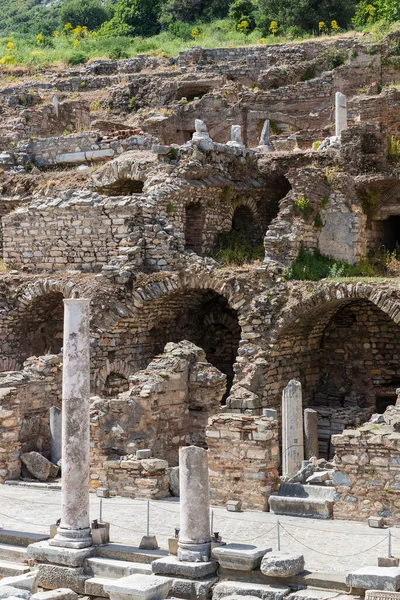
[[136, 362]]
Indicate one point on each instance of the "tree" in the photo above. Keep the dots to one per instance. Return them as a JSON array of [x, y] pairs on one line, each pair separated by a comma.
[[306, 14], [376, 10], [89, 13], [134, 17]]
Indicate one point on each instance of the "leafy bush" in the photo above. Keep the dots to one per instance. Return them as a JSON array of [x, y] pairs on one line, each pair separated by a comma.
[[91, 13], [232, 248], [302, 206], [369, 203], [393, 152], [181, 30], [117, 53], [78, 58]]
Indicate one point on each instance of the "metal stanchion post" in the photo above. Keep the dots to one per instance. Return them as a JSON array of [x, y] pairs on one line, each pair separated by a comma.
[[279, 534], [211, 521], [148, 519]]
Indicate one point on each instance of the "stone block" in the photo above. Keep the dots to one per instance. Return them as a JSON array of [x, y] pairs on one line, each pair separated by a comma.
[[52, 577], [195, 590], [381, 595], [298, 500], [243, 557], [39, 466], [58, 594], [139, 587], [376, 522], [70, 557], [71, 157], [234, 505], [173, 546], [375, 578], [149, 542], [243, 588], [140, 454], [173, 480], [312, 594], [282, 564], [385, 561], [8, 591], [171, 565], [26, 581]]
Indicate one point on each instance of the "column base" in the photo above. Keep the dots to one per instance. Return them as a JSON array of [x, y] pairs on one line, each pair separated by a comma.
[[72, 538], [194, 552]]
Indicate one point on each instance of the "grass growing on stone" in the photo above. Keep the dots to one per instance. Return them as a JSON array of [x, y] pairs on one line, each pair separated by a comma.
[[231, 248], [313, 266]]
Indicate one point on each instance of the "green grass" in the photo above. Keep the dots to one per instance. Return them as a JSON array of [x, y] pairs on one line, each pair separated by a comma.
[[60, 49], [313, 266], [232, 248]]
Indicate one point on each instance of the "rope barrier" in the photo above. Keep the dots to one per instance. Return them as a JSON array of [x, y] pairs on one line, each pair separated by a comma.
[[333, 555]]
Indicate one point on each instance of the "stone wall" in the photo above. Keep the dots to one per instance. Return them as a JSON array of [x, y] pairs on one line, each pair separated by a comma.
[[26, 398], [167, 406], [243, 459], [367, 476], [127, 476], [80, 148]]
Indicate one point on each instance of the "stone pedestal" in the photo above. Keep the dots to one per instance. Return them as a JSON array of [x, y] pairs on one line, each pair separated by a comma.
[[292, 429], [340, 113], [74, 529], [311, 432], [194, 536], [55, 434]]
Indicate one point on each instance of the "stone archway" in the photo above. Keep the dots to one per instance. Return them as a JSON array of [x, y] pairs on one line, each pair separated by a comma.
[[343, 344]]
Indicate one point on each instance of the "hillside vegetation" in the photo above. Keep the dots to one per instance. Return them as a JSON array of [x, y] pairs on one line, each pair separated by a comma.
[[74, 31]]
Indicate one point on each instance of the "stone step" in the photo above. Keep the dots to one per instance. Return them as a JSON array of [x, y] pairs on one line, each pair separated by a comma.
[[129, 553], [20, 538], [18, 554], [112, 568], [95, 586], [9, 569]]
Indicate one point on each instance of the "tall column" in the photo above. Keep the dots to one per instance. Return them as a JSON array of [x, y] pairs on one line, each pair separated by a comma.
[[311, 432], [55, 434], [340, 113], [292, 428], [74, 529], [194, 536]]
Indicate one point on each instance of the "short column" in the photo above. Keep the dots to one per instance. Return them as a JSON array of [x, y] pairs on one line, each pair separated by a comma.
[[74, 529], [292, 429], [311, 433], [194, 537], [340, 113]]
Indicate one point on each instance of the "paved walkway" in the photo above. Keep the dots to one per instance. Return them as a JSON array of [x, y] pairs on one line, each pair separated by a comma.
[[328, 546]]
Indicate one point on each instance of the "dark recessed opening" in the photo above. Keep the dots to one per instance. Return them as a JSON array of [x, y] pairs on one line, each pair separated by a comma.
[[391, 233], [382, 402]]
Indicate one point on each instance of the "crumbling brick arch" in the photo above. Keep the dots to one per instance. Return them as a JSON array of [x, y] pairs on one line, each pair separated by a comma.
[[113, 378], [39, 318], [343, 344], [246, 221]]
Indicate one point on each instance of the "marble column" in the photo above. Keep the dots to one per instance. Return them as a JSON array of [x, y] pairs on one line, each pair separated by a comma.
[[311, 433], [292, 428], [236, 137], [340, 113], [74, 529], [194, 536], [55, 434], [264, 142]]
